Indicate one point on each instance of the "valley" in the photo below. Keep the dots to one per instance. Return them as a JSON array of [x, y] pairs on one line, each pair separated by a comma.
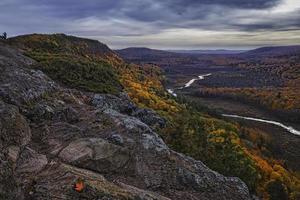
[[129, 118], [249, 116], [256, 90], [284, 143], [150, 100]]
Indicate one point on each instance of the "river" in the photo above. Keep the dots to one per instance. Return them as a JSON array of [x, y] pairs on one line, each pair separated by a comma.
[[188, 84], [288, 128], [275, 123]]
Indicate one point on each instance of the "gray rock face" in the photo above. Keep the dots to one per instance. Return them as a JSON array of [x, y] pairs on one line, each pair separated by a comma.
[[55, 111], [95, 154], [150, 118], [57, 181], [116, 139], [30, 161], [14, 129], [18, 83], [8, 185], [53, 145], [123, 105]]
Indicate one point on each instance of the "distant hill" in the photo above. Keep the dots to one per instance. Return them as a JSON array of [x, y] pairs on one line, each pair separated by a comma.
[[142, 51], [139, 52], [217, 51], [274, 51]]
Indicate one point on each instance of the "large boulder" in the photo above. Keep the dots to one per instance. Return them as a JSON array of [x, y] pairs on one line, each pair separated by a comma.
[[96, 154], [30, 161]]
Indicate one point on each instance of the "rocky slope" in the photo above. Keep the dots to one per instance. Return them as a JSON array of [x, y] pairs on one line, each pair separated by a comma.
[[60, 143]]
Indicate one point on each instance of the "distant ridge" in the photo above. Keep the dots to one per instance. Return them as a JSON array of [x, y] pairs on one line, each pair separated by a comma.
[[143, 51], [147, 53], [217, 51], [274, 51]]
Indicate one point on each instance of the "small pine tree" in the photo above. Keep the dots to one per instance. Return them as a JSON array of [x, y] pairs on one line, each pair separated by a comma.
[[3, 36]]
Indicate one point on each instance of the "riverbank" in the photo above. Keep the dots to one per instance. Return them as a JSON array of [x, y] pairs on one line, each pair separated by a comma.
[[285, 138], [285, 143]]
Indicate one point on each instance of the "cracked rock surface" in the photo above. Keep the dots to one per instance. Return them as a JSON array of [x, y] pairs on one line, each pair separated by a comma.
[[51, 137]]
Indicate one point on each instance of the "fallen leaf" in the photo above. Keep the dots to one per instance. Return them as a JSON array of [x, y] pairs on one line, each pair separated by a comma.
[[79, 186]]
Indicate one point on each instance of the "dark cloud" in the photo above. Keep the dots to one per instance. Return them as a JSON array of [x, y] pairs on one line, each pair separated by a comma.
[[117, 19], [142, 10], [254, 4], [182, 6]]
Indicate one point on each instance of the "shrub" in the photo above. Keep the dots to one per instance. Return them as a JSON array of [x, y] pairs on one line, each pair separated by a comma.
[[89, 76]]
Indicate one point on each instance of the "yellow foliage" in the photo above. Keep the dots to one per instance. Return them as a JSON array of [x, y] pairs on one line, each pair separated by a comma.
[[144, 92]]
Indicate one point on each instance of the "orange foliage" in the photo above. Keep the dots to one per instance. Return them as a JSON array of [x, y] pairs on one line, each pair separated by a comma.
[[143, 85], [79, 185]]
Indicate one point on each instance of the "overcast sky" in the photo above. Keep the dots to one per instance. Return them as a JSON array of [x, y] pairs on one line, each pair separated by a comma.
[[163, 24]]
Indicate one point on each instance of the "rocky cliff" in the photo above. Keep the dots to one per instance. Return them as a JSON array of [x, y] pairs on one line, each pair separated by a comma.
[[61, 143]]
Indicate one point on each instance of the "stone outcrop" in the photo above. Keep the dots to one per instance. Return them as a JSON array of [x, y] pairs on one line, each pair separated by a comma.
[[51, 137], [123, 105]]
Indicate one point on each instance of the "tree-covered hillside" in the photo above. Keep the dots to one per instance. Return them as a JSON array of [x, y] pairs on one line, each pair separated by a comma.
[[191, 129]]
